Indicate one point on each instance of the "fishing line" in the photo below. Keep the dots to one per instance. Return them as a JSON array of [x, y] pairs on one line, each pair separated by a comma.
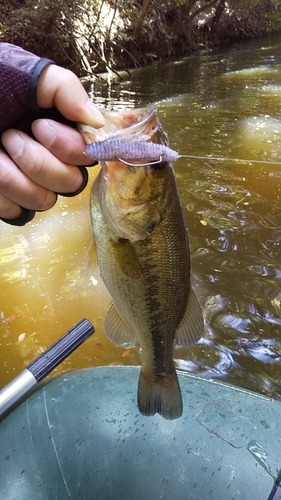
[[194, 157], [222, 158], [151, 152]]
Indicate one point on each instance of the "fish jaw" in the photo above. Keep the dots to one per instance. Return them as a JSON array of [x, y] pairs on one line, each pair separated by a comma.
[[132, 201], [115, 204], [122, 210]]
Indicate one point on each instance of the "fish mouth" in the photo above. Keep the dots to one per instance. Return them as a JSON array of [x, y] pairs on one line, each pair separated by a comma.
[[126, 190], [140, 124]]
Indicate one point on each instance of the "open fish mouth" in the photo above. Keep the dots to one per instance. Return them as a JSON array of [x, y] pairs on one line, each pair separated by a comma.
[[139, 124]]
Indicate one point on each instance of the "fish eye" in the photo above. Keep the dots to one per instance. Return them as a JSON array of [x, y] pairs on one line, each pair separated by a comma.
[[151, 227]]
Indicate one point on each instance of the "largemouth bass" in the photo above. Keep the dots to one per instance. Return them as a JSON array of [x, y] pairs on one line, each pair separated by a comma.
[[143, 254]]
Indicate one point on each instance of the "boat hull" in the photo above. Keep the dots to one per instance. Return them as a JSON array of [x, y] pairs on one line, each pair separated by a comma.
[[81, 436]]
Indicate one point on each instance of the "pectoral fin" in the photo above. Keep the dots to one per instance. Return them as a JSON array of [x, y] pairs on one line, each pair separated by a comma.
[[126, 258], [117, 330], [191, 327]]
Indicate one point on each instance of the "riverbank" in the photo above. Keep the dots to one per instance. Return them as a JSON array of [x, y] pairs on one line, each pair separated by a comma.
[[95, 37]]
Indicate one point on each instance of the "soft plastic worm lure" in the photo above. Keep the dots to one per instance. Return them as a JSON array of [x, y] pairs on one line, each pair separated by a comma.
[[112, 150]]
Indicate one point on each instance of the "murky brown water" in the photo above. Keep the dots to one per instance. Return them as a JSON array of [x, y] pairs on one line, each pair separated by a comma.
[[224, 103]]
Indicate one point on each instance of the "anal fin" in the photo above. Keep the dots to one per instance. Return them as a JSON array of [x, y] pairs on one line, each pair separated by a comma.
[[192, 325]]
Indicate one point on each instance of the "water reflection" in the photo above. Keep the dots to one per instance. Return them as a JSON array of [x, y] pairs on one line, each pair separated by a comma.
[[223, 103]]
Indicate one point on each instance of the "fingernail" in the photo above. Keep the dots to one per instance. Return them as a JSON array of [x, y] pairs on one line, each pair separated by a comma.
[[95, 114], [13, 142], [44, 131]]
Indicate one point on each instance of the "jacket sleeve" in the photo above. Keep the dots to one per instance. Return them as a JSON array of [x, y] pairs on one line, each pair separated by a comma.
[[19, 74]]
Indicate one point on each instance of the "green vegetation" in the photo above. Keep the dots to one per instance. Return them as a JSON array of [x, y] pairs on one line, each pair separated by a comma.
[[99, 35]]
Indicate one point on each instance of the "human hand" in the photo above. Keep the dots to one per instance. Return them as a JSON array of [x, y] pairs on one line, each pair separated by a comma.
[[31, 172]]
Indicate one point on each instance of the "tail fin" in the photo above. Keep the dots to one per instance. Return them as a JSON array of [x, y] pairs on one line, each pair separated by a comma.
[[159, 394]]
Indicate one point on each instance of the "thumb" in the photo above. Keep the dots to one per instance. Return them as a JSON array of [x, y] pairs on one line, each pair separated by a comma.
[[60, 88]]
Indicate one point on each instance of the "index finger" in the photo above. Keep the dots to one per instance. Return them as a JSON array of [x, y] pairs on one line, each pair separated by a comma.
[[60, 88]]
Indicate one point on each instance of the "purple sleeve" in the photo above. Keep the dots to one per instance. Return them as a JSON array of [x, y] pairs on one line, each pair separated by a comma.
[[19, 74]]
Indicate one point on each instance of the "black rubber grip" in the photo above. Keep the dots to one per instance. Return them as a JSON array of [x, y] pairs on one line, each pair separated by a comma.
[[55, 354]]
